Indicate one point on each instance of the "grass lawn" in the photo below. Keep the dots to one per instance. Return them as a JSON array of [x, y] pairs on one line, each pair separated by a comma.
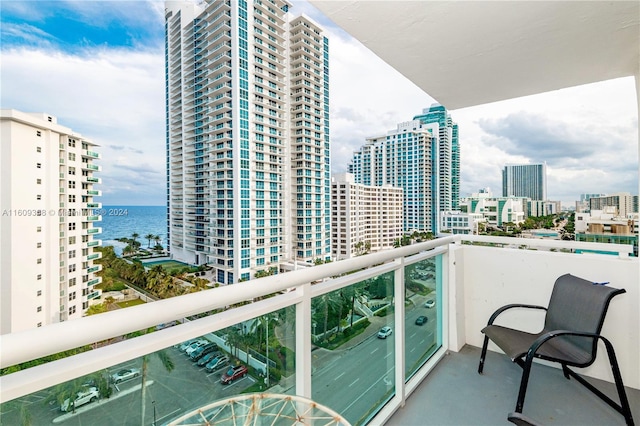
[[166, 264], [128, 303]]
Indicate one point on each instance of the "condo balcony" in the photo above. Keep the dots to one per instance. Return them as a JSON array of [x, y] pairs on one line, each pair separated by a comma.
[[417, 374]]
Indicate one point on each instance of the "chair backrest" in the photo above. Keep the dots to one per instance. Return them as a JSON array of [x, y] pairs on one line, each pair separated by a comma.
[[579, 305]]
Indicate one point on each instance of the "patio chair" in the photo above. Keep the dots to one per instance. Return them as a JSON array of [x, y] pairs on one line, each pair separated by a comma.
[[570, 337]]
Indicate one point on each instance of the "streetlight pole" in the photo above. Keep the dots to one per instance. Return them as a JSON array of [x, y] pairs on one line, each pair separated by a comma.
[[154, 412]]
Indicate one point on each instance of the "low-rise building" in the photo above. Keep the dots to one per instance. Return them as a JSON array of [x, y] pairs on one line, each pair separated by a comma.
[[496, 210], [457, 222], [607, 226]]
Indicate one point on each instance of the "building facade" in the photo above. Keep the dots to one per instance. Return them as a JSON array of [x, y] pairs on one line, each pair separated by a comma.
[[48, 222], [526, 180], [457, 222], [624, 203], [449, 155], [422, 157], [248, 156], [496, 210], [364, 219], [606, 226]]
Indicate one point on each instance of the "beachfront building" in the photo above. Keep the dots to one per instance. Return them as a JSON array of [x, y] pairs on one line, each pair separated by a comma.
[[525, 180], [364, 219], [417, 157], [48, 221], [496, 210], [247, 137]]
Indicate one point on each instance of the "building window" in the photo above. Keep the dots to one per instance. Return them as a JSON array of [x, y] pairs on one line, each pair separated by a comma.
[[72, 268], [38, 149], [72, 156], [39, 245], [72, 170], [39, 181], [39, 229], [72, 198], [39, 309], [85, 305], [72, 226], [72, 184], [72, 296], [38, 197], [72, 240], [72, 254], [39, 261], [38, 133], [39, 324], [39, 277], [39, 165], [39, 293], [72, 282], [72, 143]]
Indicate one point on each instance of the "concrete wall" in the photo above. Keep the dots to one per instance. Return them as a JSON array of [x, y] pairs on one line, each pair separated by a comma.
[[487, 278]]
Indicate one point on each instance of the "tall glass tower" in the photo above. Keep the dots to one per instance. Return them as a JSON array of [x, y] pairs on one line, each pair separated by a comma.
[[525, 180], [248, 148]]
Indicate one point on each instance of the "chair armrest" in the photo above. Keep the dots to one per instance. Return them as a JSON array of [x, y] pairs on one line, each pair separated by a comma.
[[514, 305], [555, 333]]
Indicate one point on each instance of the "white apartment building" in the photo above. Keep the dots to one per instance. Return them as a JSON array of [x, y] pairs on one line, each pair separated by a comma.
[[48, 218], [363, 218], [457, 222], [247, 136], [539, 208], [406, 157], [496, 210], [624, 203]]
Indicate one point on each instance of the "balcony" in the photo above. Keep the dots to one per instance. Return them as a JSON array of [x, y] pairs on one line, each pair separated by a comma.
[[466, 277]]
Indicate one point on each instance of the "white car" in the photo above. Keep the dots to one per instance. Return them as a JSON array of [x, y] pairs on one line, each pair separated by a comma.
[[192, 347], [384, 332], [126, 374], [429, 303], [83, 397]]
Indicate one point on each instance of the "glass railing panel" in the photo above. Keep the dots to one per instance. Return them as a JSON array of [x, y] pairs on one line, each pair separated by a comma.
[[353, 355], [423, 312], [177, 380]]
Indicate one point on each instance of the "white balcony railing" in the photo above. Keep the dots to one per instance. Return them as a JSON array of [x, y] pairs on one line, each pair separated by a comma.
[[471, 280]]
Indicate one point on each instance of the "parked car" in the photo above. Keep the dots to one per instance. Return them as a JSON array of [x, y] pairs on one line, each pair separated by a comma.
[[192, 347], [429, 303], [217, 363], [184, 345], [421, 320], [384, 332], [125, 374], [203, 350], [84, 396], [233, 373], [204, 360]]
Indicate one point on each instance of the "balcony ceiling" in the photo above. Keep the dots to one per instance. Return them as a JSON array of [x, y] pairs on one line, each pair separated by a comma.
[[465, 53]]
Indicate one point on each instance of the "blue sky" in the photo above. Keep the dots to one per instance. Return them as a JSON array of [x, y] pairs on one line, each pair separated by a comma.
[[99, 67]]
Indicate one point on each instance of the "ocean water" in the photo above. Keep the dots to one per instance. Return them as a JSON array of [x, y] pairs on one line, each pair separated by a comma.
[[123, 221]]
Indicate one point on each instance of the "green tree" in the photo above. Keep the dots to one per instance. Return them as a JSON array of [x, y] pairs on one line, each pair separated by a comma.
[[149, 237]]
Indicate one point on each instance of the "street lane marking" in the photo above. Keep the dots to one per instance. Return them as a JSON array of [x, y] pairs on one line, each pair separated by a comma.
[[413, 334], [340, 375], [167, 415], [388, 355], [368, 389], [354, 382], [374, 350]]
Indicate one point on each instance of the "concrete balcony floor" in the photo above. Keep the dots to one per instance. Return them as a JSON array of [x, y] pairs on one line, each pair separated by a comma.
[[455, 394]]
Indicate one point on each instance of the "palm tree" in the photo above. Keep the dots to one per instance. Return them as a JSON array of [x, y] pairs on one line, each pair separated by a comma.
[[149, 237], [157, 239]]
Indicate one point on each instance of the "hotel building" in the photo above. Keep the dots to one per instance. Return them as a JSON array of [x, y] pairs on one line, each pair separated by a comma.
[[248, 164], [364, 219], [48, 218]]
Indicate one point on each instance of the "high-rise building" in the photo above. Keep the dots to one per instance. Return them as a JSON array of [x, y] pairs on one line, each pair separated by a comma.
[[449, 155], [421, 156], [525, 180], [248, 161], [47, 230], [364, 219], [624, 203]]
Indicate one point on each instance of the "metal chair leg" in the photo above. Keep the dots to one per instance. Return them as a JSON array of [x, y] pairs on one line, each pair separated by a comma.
[[483, 354]]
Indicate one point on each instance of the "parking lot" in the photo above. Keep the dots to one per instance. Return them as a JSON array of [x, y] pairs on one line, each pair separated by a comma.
[[168, 393]]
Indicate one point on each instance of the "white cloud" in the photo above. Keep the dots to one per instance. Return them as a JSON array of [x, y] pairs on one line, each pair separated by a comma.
[[114, 98]]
